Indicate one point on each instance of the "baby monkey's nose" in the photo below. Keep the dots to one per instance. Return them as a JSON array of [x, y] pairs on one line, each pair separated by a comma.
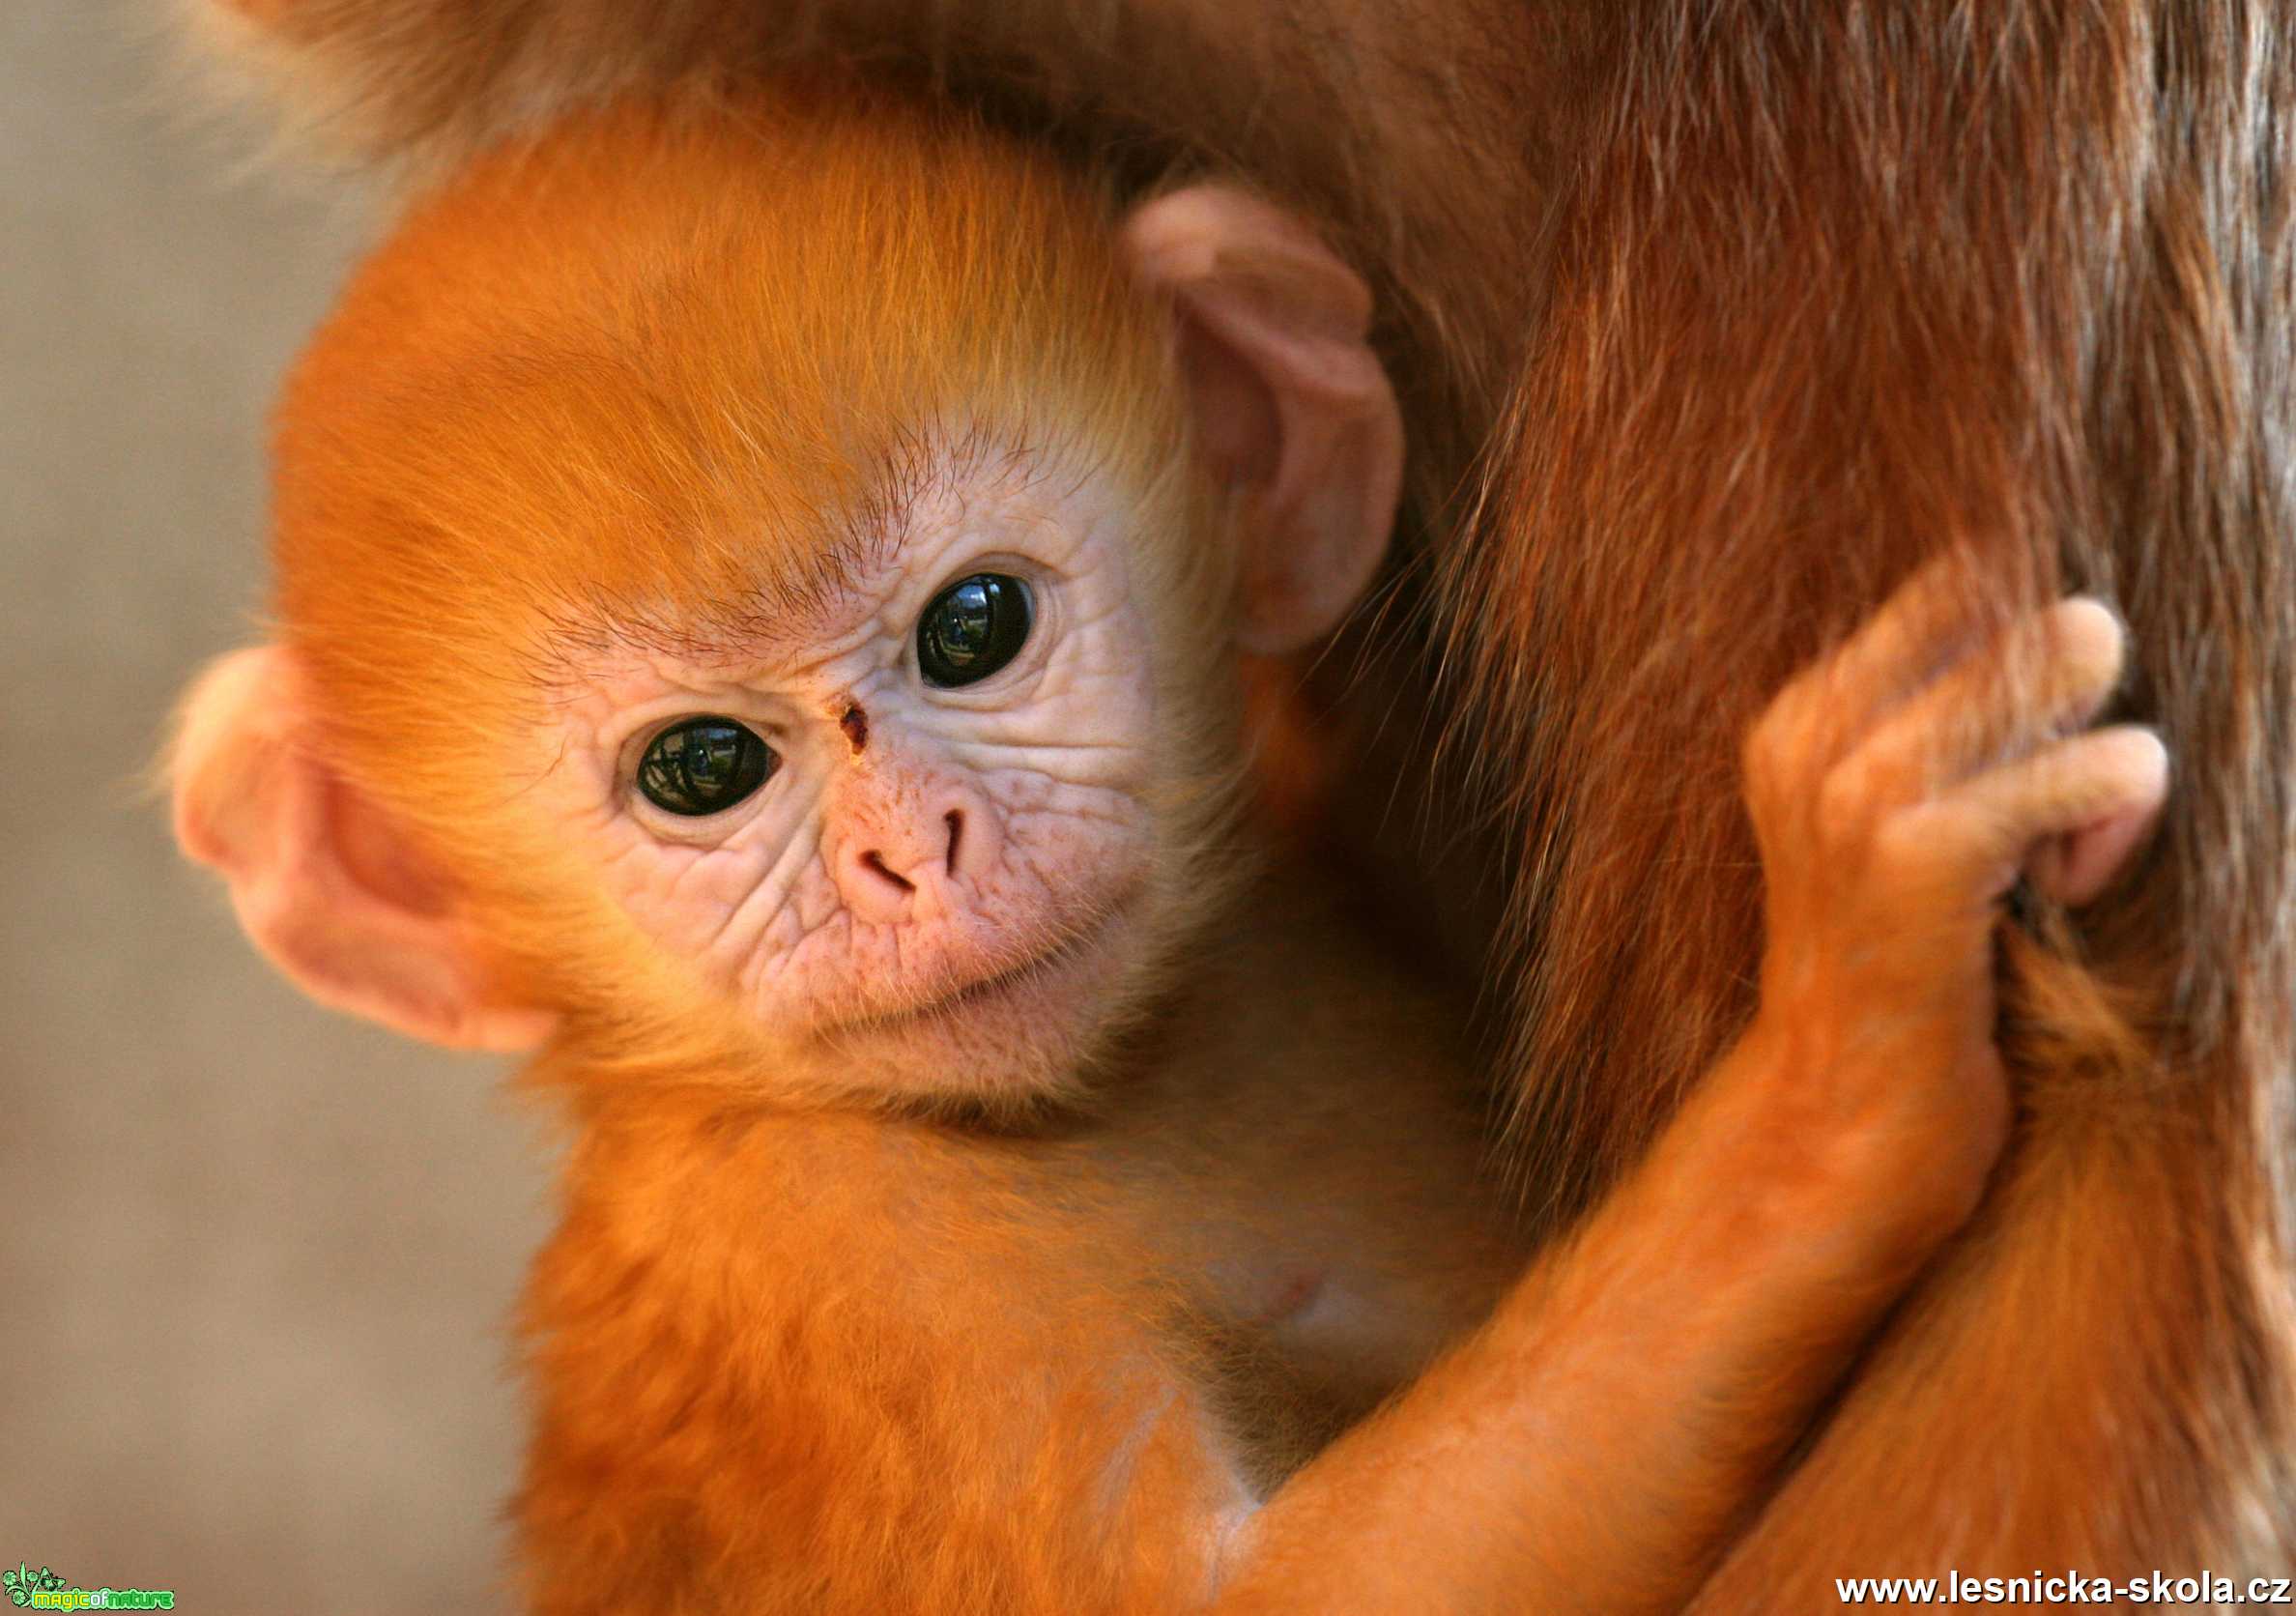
[[903, 860], [902, 865], [872, 859]]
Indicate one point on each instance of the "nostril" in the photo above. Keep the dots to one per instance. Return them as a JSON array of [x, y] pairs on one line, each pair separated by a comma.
[[954, 820], [876, 862]]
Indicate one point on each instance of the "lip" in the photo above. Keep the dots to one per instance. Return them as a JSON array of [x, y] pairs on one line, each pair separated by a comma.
[[998, 985], [1003, 984]]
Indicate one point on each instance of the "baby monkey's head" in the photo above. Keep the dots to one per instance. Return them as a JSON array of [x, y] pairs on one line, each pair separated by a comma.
[[758, 590]]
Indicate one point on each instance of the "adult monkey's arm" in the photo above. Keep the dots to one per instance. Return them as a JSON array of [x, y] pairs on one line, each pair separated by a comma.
[[1779, 293]]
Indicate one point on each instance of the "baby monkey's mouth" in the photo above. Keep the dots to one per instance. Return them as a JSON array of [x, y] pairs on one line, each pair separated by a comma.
[[994, 987], [1083, 941]]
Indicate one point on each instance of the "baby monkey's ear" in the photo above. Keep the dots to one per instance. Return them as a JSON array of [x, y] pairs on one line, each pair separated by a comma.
[[1290, 403], [329, 887]]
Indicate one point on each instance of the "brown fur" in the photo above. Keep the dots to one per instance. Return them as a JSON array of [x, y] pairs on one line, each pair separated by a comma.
[[1779, 298], [1834, 295]]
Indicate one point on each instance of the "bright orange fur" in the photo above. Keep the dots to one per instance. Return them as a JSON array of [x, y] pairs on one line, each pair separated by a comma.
[[791, 1358], [836, 1362], [1190, 1319], [663, 444], [1785, 295]]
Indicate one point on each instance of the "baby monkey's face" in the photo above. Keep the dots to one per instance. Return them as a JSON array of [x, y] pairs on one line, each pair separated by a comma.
[[646, 690], [905, 821]]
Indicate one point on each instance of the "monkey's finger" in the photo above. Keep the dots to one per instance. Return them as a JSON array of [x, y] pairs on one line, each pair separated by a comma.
[[2048, 675], [2106, 786], [2073, 868], [1925, 620]]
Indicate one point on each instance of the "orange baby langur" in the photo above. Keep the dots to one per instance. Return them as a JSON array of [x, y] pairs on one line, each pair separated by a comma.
[[758, 595]]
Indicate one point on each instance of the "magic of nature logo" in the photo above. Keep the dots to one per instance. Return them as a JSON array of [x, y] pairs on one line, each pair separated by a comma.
[[44, 1590]]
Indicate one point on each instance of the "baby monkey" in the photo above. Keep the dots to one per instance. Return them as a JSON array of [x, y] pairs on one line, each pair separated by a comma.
[[758, 597]]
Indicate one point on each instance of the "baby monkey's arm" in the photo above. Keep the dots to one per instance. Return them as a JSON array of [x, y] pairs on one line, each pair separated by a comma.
[[1592, 1446]]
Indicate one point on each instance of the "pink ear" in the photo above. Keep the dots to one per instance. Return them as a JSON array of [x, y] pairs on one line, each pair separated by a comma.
[[328, 888], [1290, 402]]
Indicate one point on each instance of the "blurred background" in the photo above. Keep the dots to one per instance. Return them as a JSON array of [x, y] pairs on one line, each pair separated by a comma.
[[256, 1261]]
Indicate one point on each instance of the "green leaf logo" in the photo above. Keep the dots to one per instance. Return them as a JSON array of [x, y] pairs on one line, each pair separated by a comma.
[[24, 1583]]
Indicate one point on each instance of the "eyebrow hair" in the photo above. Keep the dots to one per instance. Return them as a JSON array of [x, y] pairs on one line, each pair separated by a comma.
[[917, 465]]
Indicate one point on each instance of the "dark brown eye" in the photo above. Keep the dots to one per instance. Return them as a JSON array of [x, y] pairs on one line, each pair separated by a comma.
[[972, 628], [704, 766]]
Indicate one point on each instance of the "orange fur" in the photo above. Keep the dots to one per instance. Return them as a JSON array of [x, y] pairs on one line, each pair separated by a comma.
[[829, 1362], [1785, 296], [658, 449], [788, 1357], [675, 382]]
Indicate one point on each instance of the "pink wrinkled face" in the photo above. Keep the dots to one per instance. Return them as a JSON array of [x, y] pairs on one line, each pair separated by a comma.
[[905, 824]]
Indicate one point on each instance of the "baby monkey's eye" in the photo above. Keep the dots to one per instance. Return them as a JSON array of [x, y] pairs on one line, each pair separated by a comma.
[[704, 766], [972, 628]]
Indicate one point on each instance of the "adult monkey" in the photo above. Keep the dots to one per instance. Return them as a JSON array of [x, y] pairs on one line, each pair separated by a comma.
[[1744, 305]]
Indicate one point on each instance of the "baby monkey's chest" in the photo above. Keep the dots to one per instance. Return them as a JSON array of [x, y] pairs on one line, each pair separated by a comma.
[[1293, 1328]]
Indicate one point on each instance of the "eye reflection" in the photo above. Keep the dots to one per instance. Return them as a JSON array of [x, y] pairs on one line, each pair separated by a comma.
[[704, 765], [972, 628]]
